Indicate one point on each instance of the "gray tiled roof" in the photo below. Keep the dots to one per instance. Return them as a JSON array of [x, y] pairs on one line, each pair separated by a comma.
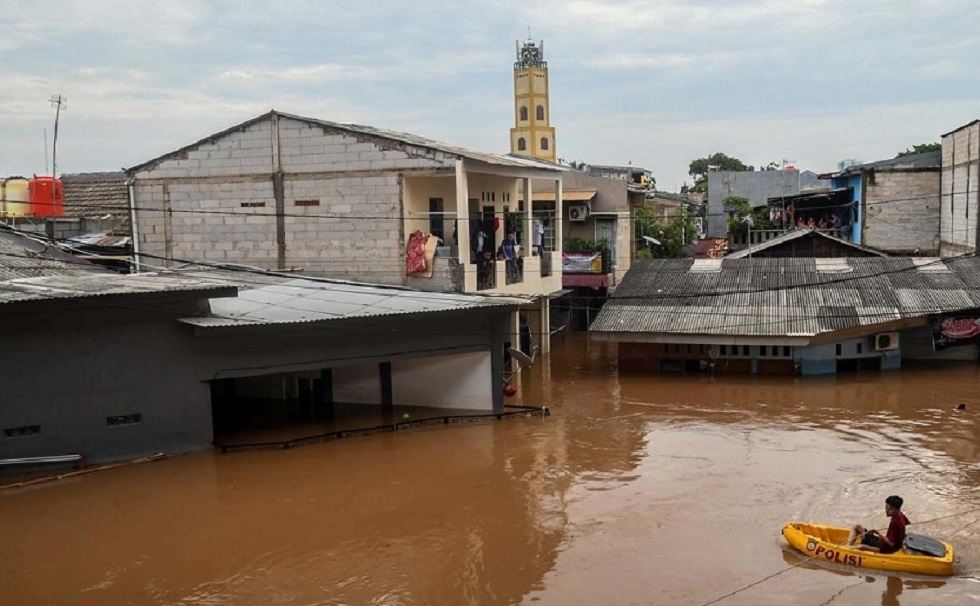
[[780, 297]]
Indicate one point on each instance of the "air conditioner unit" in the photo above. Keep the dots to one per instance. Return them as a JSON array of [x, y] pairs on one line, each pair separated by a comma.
[[886, 341], [577, 213]]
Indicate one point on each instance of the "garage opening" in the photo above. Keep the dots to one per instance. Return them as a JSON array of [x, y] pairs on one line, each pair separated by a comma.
[[283, 409]]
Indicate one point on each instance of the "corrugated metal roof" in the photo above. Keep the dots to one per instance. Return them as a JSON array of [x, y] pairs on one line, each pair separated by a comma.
[[922, 161], [295, 301], [105, 284], [407, 138], [794, 235], [780, 297], [24, 257]]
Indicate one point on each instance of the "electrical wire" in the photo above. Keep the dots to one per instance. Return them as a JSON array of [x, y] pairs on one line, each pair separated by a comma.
[[248, 212], [752, 321]]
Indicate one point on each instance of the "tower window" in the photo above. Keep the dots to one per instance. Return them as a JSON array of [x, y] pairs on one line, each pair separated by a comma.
[[523, 114], [544, 143], [521, 144], [540, 112]]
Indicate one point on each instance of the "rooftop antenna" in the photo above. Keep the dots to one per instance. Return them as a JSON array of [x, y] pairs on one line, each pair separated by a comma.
[[528, 33], [45, 151], [58, 101]]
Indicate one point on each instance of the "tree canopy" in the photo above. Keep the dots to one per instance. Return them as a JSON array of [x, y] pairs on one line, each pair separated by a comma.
[[921, 149], [717, 161], [673, 234]]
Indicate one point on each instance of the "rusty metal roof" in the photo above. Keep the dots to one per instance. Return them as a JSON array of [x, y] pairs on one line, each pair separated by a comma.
[[781, 297]]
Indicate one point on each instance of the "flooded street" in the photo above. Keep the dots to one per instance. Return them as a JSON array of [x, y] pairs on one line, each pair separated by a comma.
[[637, 490]]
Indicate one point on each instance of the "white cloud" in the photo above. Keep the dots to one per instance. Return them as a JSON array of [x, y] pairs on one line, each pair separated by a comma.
[[656, 82]]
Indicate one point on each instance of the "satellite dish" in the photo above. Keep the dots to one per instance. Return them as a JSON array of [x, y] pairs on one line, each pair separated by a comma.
[[523, 360]]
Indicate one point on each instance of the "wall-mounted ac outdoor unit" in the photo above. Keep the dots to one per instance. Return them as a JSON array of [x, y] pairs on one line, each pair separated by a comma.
[[577, 213], [886, 341]]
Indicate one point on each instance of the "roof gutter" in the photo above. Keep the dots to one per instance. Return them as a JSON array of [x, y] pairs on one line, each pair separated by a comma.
[[134, 231]]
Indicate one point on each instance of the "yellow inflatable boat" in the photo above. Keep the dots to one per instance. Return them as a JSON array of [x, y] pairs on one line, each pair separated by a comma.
[[919, 555]]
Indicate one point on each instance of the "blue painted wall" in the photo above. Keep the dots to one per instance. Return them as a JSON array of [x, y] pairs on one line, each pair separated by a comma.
[[818, 360], [857, 219], [822, 359]]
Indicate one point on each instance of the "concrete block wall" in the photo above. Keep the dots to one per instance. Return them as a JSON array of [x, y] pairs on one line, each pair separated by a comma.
[[901, 213], [247, 151], [342, 197], [959, 197], [355, 230], [306, 148], [231, 230]]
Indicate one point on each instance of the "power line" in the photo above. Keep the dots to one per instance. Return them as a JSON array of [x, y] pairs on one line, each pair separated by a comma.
[[448, 216], [614, 298], [685, 312]]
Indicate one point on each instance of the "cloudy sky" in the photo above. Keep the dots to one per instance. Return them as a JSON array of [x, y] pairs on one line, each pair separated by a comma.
[[655, 83]]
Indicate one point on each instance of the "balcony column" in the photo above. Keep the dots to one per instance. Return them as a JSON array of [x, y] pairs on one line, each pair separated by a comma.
[[528, 235], [463, 228], [559, 223]]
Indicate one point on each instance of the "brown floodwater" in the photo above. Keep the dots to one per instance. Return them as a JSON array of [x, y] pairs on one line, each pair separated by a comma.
[[637, 490]]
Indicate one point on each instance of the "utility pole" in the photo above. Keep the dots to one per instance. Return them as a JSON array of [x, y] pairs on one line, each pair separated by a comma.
[[58, 101]]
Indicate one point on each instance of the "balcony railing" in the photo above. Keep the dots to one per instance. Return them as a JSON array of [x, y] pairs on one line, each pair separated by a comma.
[[759, 236]]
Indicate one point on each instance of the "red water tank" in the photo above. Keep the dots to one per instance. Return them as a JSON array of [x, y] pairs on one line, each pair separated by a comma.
[[47, 197]]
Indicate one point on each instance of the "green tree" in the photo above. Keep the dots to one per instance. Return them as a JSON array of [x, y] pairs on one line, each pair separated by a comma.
[[717, 161], [674, 235], [921, 149], [739, 210]]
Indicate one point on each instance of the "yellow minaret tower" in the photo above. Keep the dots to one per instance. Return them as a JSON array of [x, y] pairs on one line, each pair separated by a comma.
[[532, 134]]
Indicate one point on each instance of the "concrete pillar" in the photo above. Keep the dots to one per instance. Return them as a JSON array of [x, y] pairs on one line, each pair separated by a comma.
[[544, 324], [527, 237], [559, 223], [463, 228]]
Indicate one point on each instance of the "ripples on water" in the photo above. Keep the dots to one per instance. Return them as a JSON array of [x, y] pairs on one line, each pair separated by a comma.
[[638, 490]]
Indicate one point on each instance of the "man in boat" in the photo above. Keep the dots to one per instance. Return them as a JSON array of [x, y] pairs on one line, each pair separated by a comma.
[[872, 540]]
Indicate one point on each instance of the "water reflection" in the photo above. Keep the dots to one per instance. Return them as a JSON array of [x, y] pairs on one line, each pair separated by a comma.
[[639, 489]]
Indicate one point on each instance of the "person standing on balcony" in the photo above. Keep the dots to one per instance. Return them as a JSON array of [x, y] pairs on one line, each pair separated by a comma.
[[509, 250], [537, 235]]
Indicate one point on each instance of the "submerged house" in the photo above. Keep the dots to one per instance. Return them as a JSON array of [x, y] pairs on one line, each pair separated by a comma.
[[807, 316], [287, 192], [170, 362]]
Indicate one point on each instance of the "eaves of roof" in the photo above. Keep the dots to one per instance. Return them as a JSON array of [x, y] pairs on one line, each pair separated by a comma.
[[283, 301], [107, 285], [924, 162], [508, 160], [959, 128], [795, 235]]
